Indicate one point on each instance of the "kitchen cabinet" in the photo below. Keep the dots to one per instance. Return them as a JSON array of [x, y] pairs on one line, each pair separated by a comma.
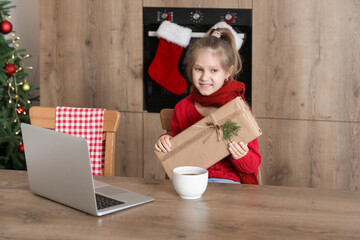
[[152, 131], [306, 91], [129, 145], [321, 154], [306, 59], [91, 54]]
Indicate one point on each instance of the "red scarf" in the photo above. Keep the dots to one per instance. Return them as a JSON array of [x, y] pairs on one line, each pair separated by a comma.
[[228, 92]]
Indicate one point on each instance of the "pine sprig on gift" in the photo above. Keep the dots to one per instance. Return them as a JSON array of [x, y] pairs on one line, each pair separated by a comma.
[[229, 129]]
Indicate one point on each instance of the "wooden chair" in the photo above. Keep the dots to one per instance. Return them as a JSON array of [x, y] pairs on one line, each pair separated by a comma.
[[166, 116], [45, 117]]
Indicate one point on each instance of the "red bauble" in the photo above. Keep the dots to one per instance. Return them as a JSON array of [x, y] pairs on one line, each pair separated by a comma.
[[5, 26], [21, 148], [20, 110], [10, 69]]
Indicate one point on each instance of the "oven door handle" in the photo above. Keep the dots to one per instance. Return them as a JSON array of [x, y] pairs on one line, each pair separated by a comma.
[[193, 34]]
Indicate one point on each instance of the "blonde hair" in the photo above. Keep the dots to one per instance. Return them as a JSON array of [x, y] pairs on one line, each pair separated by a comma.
[[223, 46]]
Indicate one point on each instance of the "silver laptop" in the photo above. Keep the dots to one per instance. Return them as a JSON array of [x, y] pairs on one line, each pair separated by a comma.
[[59, 169]]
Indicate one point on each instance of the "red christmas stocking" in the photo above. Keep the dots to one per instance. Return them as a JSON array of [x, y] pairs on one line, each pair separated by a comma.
[[164, 67]]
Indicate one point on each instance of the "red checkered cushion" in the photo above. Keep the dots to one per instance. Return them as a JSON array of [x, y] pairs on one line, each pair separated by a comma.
[[87, 123]]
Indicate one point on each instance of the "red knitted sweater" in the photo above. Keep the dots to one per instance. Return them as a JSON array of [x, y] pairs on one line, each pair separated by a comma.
[[242, 170]]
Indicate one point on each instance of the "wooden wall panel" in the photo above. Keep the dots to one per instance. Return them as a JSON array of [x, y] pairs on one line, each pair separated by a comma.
[[316, 154], [306, 58], [47, 60], [129, 145], [152, 131], [305, 81], [199, 3], [91, 54]]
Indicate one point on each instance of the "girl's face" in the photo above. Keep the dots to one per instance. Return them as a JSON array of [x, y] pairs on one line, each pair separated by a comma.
[[207, 74]]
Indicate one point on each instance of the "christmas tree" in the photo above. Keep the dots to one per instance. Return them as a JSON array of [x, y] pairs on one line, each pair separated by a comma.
[[14, 93]]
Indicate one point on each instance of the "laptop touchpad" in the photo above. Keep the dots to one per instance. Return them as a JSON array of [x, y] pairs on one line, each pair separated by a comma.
[[109, 190]]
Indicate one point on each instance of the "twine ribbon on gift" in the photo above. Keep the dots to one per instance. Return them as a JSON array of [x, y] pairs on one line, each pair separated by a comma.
[[213, 124]]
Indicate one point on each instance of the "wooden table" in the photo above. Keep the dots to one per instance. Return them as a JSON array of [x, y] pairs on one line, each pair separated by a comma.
[[225, 211]]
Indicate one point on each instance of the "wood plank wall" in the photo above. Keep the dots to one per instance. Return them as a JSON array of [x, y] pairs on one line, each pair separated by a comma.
[[199, 3], [91, 56], [306, 91], [305, 81]]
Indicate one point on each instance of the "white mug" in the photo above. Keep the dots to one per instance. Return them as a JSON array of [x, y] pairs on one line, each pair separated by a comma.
[[190, 182]]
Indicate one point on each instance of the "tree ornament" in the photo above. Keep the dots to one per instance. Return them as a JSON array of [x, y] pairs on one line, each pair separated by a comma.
[[20, 110], [21, 148], [5, 26], [26, 87], [10, 69]]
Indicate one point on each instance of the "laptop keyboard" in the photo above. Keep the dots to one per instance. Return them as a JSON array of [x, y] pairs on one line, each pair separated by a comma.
[[106, 202]]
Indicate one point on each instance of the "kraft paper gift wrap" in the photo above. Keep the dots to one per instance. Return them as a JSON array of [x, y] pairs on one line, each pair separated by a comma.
[[203, 144]]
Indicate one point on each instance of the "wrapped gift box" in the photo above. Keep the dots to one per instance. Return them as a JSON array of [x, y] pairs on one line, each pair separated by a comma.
[[205, 143]]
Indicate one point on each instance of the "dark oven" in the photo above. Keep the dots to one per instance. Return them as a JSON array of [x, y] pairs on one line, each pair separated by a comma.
[[200, 21]]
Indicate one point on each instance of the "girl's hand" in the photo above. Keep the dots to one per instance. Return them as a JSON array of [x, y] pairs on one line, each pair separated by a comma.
[[238, 150], [163, 144]]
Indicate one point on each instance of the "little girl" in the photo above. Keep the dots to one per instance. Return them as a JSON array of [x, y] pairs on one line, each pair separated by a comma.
[[211, 64]]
